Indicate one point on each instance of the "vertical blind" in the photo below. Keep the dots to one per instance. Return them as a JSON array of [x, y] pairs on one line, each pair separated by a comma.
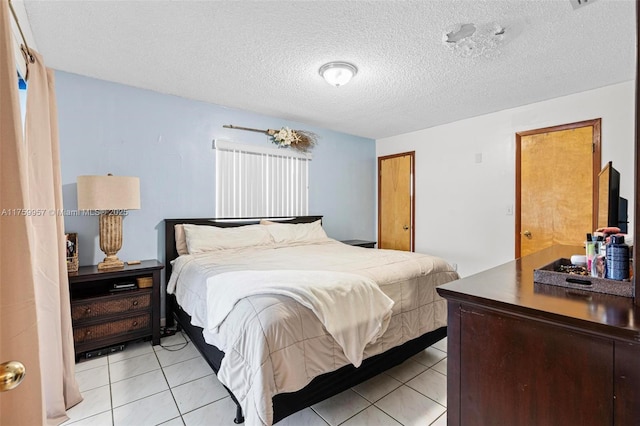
[[252, 181]]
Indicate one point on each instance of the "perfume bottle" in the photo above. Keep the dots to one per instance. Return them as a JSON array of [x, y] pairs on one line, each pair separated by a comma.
[[617, 258]]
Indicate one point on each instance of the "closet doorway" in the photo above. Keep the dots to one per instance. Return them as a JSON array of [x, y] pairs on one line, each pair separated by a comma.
[[556, 185], [396, 206]]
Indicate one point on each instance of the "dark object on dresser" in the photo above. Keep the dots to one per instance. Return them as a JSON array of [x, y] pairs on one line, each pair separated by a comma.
[[520, 352], [360, 243], [106, 310], [320, 388]]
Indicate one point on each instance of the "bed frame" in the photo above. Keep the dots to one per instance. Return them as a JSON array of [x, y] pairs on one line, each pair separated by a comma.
[[320, 388]]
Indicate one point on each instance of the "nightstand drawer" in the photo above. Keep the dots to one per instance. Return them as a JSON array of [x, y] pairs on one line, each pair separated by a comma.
[[109, 305], [114, 328]]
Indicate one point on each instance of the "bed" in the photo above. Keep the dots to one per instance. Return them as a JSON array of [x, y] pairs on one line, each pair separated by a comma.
[[276, 354]]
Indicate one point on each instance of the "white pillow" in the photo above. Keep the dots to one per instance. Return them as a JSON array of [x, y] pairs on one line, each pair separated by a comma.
[[296, 232], [202, 238], [181, 240]]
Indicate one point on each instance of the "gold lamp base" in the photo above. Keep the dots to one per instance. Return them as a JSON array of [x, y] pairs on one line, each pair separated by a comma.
[[110, 240], [111, 263]]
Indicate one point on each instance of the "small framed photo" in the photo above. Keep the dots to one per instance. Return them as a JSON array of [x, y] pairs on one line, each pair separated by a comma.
[[72, 252]]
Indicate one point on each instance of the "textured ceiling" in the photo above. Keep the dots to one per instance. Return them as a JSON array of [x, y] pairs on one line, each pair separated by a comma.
[[263, 56]]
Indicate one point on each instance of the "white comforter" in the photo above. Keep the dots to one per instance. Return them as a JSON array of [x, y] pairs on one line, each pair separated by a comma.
[[351, 307], [274, 344]]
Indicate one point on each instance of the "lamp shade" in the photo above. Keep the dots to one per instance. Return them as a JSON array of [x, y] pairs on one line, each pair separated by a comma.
[[108, 193]]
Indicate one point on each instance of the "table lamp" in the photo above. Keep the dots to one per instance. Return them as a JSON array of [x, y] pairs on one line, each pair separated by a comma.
[[112, 196]]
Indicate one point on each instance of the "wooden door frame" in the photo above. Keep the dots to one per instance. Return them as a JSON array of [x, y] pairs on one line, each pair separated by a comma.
[[411, 154], [597, 159], [636, 167]]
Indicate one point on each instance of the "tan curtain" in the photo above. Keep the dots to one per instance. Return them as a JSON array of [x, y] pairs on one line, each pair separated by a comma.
[[49, 245], [34, 184], [23, 405]]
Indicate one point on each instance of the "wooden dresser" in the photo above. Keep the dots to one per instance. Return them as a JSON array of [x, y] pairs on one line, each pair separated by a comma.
[[103, 317], [524, 353]]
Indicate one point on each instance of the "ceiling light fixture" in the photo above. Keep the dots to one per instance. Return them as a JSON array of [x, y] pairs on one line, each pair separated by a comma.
[[338, 73]]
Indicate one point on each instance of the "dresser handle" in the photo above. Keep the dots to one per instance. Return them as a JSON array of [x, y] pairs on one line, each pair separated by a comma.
[[88, 333], [135, 323], [135, 303], [88, 311]]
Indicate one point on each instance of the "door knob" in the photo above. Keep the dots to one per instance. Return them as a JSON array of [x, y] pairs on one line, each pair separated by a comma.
[[405, 227], [527, 234], [11, 374]]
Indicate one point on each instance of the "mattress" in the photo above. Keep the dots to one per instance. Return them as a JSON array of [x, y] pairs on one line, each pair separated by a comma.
[[273, 344]]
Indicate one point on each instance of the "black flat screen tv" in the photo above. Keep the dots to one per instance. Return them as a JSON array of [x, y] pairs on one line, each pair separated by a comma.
[[608, 197]]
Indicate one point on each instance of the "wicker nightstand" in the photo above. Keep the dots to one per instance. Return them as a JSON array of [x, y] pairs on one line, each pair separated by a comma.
[[104, 316]]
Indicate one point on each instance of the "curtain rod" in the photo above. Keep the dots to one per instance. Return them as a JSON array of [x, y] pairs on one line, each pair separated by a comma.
[[26, 52]]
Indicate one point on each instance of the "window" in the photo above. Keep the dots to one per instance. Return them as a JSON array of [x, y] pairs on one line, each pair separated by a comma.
[[22, 92], [252, 181]]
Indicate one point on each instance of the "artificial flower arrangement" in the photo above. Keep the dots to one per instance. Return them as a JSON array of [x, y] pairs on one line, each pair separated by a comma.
[[300, 140]]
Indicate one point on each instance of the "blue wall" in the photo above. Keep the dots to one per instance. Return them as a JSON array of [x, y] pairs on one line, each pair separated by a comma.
[[167, 141]]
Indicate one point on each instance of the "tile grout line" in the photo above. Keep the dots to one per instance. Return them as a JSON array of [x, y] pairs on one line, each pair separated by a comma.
[[202, 406], [365, 408], [85, 390], [404, 384], [169, 388], [373, 402], [113, 408], [439, 417], [180, 414], [113, 418], [389, 414], [160, 366], [427, 396], [169, 385], [137, 375]]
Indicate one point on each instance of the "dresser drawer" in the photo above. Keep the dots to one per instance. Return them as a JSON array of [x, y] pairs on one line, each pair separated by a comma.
[[114, 328], [109, 305]]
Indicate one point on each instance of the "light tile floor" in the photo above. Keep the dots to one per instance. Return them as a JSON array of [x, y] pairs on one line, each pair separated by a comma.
[[171, 384]]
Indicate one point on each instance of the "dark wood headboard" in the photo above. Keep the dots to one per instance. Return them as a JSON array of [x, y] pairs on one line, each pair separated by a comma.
[[170, 252]]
